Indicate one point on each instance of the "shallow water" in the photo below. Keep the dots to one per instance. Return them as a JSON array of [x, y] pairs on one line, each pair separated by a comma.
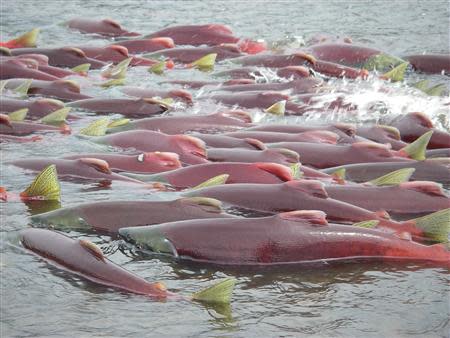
[[349, 300]]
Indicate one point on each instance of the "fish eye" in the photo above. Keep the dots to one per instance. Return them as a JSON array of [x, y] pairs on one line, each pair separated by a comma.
[[141, 157]]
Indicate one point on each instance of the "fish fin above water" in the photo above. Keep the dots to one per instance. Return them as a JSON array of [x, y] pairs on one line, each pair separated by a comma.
[[118, 122], [206, 62], [283, 172], [394, 177], [112, 83], [417, 149], [367, 224], [6, 120], [81, 69], [112, 23], [392, 131], [217, 293], [314, 217], [23, 88], [97, 164], [437, 90], [57, 116], [118, 71], [396, 74], [278, 108], [435, 226], [211, 203], [27, 40], [93, 249], [426, 187], [96, 128], [45, 186], [339, 175], [216, 180], [157, 68], [257, 144], [18, 115], [310, 187], [382, 62], [296, 171]]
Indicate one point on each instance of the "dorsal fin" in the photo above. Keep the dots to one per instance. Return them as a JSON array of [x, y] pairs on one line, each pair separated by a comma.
[[237, 114], [96, 128], [118, 71], [282, 172], [314, 217], [205, 62], [81, 69], [75, 51], [211, 204], [375, 148], [426, 187], [112, 23], [192, 144], [417, 149], [6, 120], [310, 187], [70, 84], [346, 128], [120, 49], [97, 164], [278, 108], [58, 116], [391, 131], [255, 143], [307, 57], [92, 248], [289, 154]]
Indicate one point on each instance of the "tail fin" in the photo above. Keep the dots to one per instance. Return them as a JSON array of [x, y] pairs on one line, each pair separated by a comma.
[[216, 180], [118, 71], [26, 40], [396, 74], [417, 149], [367, 224], [112, 83], [435, 226], [217, 293], [394, 178], [18, 115], [205, 63], [339, 175], [45, 186], [58, 116], [278, 108], [96, 128], [82, 69], [23, 88], [118, 123], [158, 68]]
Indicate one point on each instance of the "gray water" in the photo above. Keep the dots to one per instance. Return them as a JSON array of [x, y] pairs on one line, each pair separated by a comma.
[[351, 300]]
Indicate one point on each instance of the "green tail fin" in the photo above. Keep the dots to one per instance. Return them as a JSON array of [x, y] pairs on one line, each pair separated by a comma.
[[206, 62], [278, 108], [118, 123], [28, 39], [422, 85], [394, 178], [45, 185], [81, 69], [57, 116], [435, 226], [339, 174], [382, 62], [22, 90], [112, 83], [3, 85], [367, 224], [417, 149], [18, 115], [398, 73], [218, 293], [296, 171], [216, 180], [118, 71], [437, 90], [158, 68], [96, 128]]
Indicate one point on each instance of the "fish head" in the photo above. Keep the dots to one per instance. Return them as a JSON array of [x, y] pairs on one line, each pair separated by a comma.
[[62, 219], [149, 238]]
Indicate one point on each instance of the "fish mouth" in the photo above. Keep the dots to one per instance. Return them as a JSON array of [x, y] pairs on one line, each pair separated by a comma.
[[148, 239]]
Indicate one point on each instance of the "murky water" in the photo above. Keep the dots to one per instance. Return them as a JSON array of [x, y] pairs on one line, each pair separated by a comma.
[[350, 300]]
